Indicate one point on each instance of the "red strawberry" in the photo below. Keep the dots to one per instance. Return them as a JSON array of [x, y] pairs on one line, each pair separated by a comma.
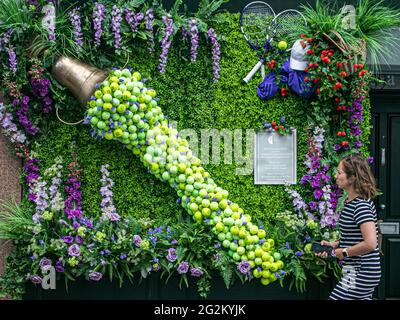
[[343, 74], [306, 69], [273, 123], [306, 79]]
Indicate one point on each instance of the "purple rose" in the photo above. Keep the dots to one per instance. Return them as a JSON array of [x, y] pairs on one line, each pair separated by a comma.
[[95, 276], [68, 239], [44, 264], [78, 240], [196, 272], [244, 267], [36, 279], [183, 267], [137, 239], [59, 266], [74, 250], [171, 257]]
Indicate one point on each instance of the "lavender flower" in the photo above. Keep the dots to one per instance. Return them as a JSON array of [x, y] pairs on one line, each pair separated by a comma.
[[98, 17], [149, 21], [194, 39], [244, 267], [74, 250], [216, 53], [165, 43], [196, 272], [183, 267], [116, 26], [95, 276], [76, 24], [49, 22], [108, 209], [171, 256], [74, 196]]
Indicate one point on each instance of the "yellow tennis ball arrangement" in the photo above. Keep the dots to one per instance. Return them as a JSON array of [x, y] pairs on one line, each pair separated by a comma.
[[123, 109]]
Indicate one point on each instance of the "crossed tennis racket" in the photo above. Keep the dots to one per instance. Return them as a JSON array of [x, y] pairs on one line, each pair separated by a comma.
[[260, 26]]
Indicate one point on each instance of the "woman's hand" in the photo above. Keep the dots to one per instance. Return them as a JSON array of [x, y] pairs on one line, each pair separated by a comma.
[[324, 254]]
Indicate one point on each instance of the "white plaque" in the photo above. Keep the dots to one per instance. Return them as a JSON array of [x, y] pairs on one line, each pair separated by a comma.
[[275, 158]]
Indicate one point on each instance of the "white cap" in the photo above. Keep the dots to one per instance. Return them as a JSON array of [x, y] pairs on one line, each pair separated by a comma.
[[298, 56]]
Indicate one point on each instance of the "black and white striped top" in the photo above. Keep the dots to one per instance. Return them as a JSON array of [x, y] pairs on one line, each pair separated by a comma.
[[355, 213]]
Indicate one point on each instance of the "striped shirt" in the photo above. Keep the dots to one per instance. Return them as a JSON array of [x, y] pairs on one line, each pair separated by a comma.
[[361, 274]]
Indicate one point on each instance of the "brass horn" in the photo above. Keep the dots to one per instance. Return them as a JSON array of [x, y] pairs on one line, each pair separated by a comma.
[[77, 76]]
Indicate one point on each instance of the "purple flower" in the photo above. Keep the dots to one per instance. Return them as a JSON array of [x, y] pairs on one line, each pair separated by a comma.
[[76, 24], [298, 253], [116, 26], [36, 279], [244, 267], [174, 242], [98, 17], [74, 250], [44, 263], [149, 21], [12, 58], [216, 54], [318, 193], [137, 239], [22, 114], [370, 160], [165, 43], [183, 267], [133, 19], [95, 276], [196, 272], [67, 239], [194, 39], [171, 256], [312, 205], [59, 266]]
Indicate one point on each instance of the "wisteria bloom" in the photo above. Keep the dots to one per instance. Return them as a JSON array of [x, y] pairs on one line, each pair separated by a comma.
[[108, 209], [76, 24], [216, 54], [244, 267], [133, 19], [165, 43], [149, 22], [116, 26], [194, 39], [183, 267], [99, 14], [196, 272]]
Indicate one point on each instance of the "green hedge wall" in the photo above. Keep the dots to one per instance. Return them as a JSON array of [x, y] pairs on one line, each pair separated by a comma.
[[188, 96]]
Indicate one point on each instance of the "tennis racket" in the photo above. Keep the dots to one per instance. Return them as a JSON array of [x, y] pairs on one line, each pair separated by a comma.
[[255, 21], [286, 26]]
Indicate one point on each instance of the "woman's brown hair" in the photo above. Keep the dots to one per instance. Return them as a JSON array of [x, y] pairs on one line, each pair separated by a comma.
[[364, 183]]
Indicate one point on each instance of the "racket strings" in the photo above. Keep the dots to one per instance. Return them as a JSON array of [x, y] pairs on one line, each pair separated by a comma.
[[255, 21]]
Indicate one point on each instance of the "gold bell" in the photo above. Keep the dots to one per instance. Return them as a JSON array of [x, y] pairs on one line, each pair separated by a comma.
[[80, 78]]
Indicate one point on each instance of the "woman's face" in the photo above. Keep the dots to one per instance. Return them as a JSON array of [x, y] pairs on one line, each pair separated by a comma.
[[341, 179]]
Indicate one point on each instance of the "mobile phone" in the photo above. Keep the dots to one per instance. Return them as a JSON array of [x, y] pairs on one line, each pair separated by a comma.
[[316, 247]]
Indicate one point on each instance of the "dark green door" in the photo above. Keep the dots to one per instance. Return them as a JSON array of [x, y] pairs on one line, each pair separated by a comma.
[[385, 148]]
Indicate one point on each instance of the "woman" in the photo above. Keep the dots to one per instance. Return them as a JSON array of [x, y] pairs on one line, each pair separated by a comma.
[[358, 243]]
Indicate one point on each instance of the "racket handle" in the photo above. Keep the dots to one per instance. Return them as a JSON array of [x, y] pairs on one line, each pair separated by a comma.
[[263, 71], [252, 72]]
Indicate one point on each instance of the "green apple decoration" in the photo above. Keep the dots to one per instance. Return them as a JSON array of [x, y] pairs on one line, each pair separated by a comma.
[[123, 109]]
